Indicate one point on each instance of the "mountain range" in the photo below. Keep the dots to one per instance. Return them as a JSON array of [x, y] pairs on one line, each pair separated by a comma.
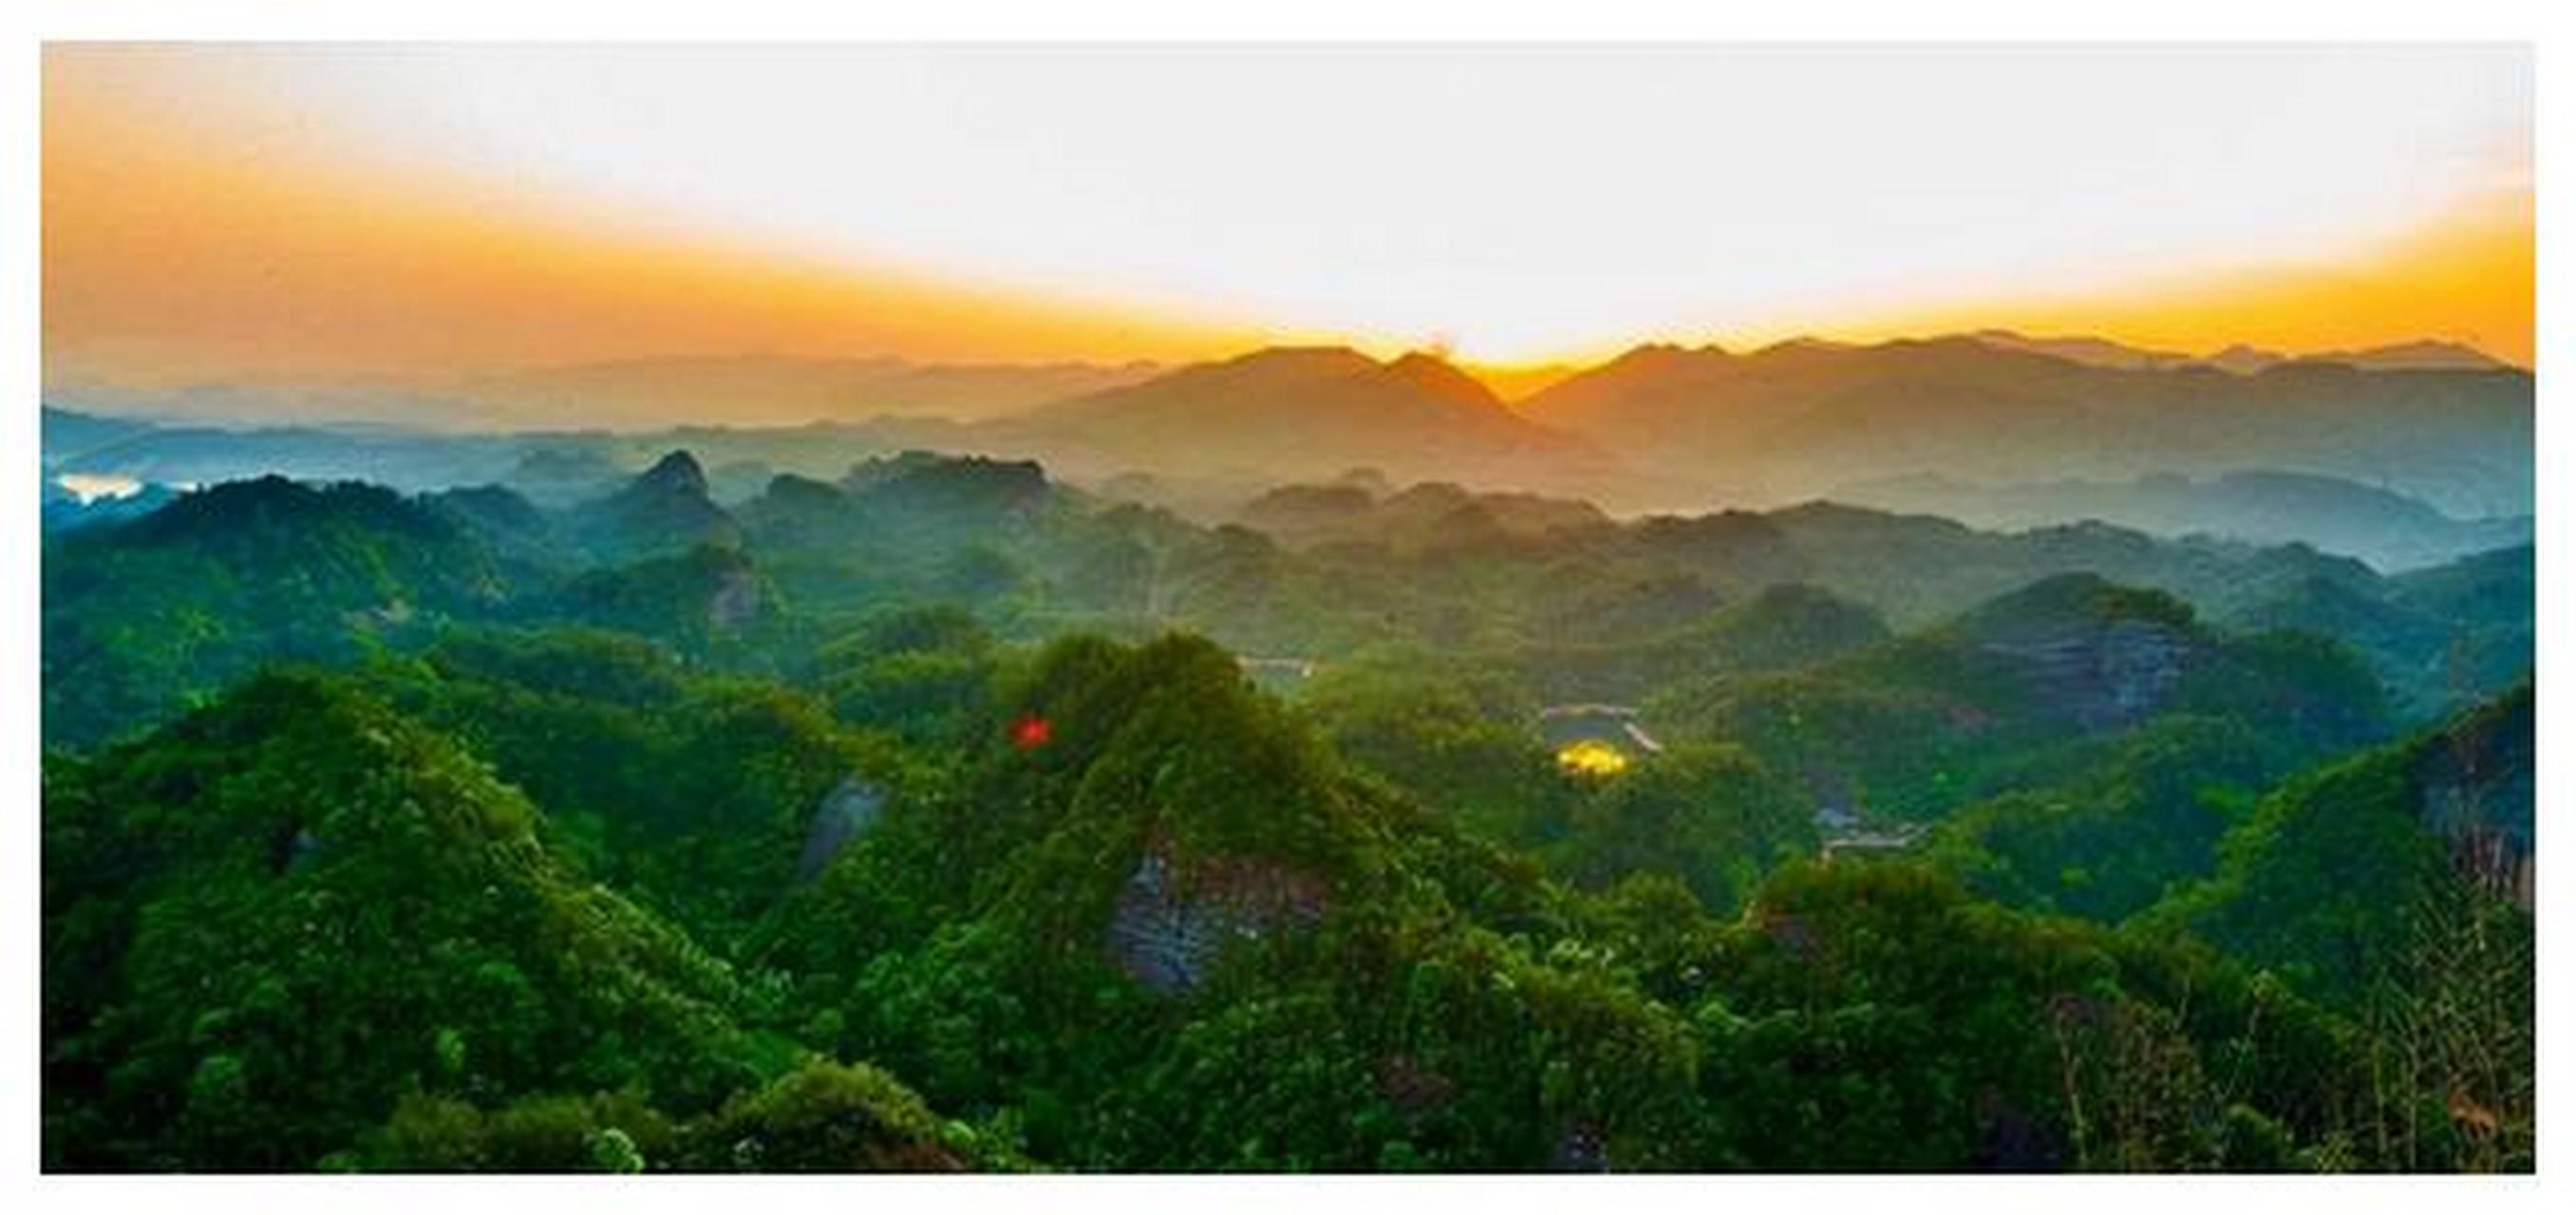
[[2388, 529], [1659, 428], [2422, 355], [1800, 418], [1295, 412]]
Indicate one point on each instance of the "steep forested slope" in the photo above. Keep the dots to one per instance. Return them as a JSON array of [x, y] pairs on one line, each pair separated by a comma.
[[653, 833]]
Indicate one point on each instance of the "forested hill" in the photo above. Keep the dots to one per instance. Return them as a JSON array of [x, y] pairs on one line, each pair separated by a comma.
[[1174, 929], [146, 614], [937, 815]]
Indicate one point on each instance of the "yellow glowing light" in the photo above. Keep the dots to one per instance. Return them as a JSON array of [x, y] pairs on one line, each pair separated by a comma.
[[1591, 757]]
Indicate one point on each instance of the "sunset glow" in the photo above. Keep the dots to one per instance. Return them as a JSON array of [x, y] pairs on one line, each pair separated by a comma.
[[220, 212]]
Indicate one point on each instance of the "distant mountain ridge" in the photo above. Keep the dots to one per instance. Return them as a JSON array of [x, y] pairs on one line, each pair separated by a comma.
[[1304, 412], [2241, 359], [636, 394], [1798, 419], [2091, 351], [2414, 356], [1660, 427], [2389, 529]]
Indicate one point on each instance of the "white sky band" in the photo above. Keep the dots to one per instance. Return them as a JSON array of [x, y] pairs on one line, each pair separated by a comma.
[[1509, 202]]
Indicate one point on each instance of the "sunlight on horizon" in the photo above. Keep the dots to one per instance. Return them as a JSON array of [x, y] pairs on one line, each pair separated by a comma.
[[354, 210]]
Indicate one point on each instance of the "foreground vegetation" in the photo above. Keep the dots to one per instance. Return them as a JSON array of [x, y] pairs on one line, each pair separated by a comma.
[[916, 821]]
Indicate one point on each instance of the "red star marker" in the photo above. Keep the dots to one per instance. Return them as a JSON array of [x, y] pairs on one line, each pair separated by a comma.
[[1031, 732]]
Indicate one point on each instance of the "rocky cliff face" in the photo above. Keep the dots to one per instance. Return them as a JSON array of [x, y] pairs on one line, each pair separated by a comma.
[[2101, 675], [736, 600], [1172, 923], [2477, 793], [2088, 652], [847, 813]]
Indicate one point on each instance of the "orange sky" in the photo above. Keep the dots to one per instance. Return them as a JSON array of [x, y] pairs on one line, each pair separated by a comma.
[[2466, 278], [165, 264], [174, 252]]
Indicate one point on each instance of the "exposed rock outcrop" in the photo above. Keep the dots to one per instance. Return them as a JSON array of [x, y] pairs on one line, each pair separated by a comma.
[[736, 601], [2102, 677], [1171, 924], [845, 815], [2478, 794], [2100, 656]]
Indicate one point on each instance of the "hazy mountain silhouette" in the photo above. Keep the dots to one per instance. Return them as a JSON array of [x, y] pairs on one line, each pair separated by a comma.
[[1798, 419], [2091, 351], [2414, 356], [2245, 360], [632, 394], [2421, 355], [1305, 412], [664, 510], [2388, 529], [1660, 427]]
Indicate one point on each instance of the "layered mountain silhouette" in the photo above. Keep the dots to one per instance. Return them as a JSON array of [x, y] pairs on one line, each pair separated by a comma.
[[1798, 419], [2421, 355], [1660, 428], [641, 393], [2387, 529], [2413, 356], [2091, 351], [1308, 412]]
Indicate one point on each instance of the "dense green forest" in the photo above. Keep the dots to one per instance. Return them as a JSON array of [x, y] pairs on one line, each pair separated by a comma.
[[944, 816]]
